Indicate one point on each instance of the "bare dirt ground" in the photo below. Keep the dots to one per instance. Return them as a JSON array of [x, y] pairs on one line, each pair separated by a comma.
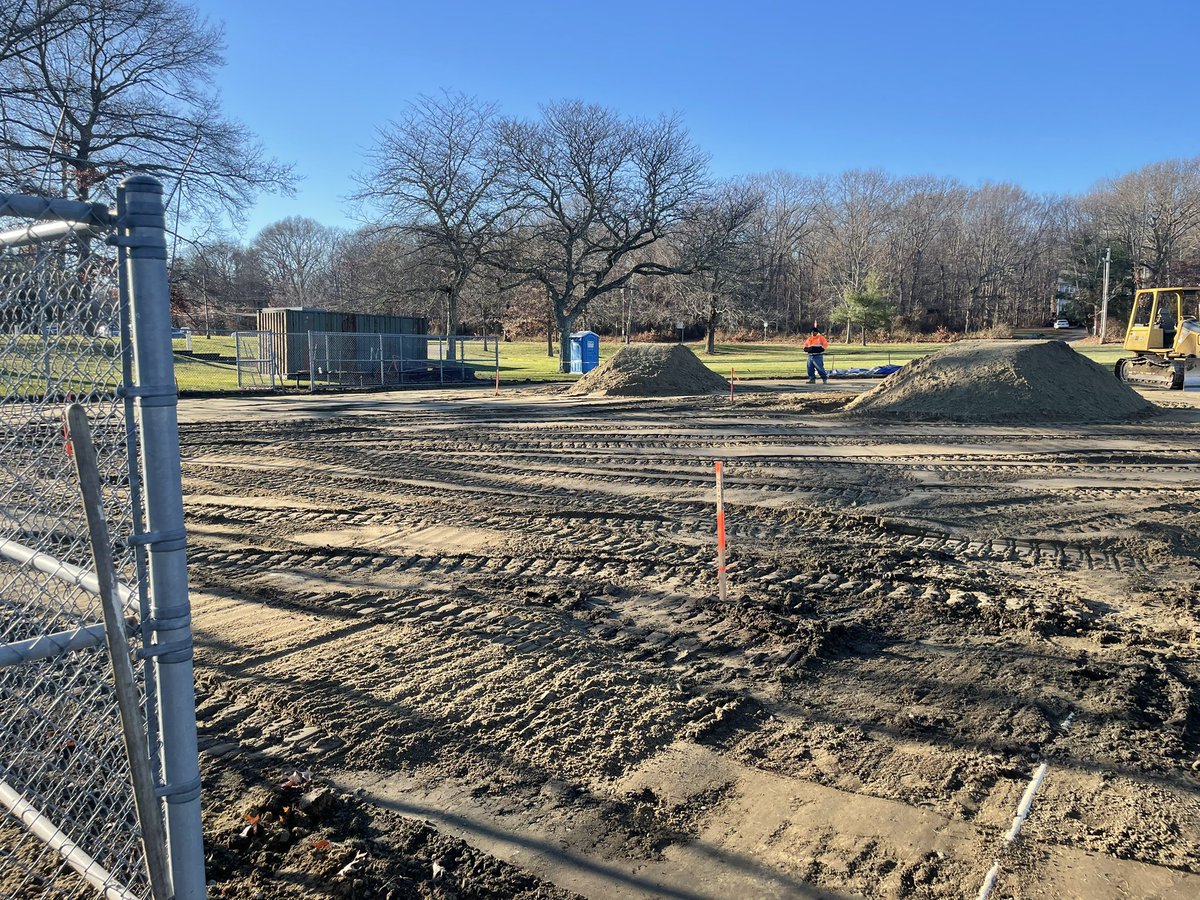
[[489, 629]]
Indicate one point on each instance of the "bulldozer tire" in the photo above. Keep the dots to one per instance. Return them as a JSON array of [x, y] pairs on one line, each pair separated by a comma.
[[1121, 370]]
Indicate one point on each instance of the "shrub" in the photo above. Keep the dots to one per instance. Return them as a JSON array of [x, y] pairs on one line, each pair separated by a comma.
[[943, 335]]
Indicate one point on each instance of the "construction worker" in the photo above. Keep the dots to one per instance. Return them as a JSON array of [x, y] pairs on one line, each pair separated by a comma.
[[815, 347]]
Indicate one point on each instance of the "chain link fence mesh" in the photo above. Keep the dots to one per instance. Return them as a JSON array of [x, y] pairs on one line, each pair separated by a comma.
[[223, 363], [62, 761], [341, 360]]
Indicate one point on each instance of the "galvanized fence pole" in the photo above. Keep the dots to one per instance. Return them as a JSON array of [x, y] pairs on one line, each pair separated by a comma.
[[312, 364], [237, 355], [133, 467], [381, 360], [142, 235]]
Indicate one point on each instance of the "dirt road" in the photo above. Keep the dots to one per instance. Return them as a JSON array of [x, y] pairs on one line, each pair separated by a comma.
[[499, 616]]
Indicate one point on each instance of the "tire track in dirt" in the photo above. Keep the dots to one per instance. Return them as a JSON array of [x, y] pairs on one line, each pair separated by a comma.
[[588, 615]]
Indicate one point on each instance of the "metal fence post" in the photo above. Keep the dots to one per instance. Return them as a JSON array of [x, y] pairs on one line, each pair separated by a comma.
[[237, 355], [142, 235], [312, 364], [381, 360]]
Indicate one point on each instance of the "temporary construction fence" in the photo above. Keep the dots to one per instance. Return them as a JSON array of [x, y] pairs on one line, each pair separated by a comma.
[[85, 318]]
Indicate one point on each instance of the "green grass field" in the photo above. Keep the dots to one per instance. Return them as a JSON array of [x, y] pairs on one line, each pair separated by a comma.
[[527, 360], [520, 361]]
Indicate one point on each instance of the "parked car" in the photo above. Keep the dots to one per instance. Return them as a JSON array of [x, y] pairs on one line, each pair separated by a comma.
[[1061, 323]]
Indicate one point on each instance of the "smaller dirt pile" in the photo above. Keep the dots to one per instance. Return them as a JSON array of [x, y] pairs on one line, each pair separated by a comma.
[[1003, 382], [650, 370]]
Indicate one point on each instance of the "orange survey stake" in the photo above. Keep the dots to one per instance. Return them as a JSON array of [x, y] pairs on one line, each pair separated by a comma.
[[721, 532]]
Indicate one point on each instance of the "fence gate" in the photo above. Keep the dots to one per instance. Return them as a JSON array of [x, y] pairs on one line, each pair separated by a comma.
[[256, 367], [84, 317]]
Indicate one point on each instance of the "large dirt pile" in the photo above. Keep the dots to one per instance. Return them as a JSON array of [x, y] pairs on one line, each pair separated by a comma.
[[650, 370], [1003, 382]]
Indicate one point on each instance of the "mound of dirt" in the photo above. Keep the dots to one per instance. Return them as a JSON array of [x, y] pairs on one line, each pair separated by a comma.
[[1042, 382], [650, 370]]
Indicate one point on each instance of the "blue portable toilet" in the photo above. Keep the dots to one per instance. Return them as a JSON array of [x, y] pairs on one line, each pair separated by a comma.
[[585, 352]]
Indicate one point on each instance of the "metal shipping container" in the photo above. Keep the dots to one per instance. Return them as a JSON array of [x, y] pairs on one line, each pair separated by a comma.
[[290, 326]]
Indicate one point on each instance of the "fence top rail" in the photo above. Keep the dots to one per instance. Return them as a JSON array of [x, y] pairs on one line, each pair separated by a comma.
[[48, 233], [25, 206], [387, 334], [63, 571]]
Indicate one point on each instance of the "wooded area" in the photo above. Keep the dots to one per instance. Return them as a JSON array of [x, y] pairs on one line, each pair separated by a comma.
[[577, 217]]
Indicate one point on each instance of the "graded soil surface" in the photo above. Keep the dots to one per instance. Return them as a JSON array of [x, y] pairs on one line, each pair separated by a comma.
[[488, 629], [999, 382]]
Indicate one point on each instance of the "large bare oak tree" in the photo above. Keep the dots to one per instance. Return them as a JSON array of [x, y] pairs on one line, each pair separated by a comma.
[[596, 191], [434, 176]]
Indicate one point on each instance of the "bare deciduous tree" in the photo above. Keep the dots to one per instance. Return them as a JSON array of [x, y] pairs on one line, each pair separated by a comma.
[[855, 213], [128, 89], [784, 240], [435, 176], [596, 192], [295, 254], [1155, 213], [716, 250], [23, 21]]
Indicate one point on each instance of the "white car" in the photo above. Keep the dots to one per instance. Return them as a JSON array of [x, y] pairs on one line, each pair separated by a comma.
[[1061, 324]]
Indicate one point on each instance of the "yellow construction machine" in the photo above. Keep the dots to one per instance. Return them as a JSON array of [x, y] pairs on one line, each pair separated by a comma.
[[1164, 334]]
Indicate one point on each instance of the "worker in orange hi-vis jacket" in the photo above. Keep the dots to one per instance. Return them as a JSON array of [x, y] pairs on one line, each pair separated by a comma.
[[815, 347]]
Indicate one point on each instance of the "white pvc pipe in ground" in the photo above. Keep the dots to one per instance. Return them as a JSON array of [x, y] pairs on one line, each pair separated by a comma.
[[1023, 810], [1026, 804], [41, 827], [989, 883]]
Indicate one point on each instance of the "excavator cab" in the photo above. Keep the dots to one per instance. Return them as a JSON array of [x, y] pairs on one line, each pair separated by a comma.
[[1164, 333]]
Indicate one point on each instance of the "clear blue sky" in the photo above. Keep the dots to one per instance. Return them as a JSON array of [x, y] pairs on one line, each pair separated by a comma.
[[1052, 95]]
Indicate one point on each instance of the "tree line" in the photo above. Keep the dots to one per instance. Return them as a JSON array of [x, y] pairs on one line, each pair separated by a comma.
[[576, 217]]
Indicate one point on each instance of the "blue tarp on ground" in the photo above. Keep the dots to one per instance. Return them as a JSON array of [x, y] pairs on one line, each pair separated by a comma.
[[875, 372]]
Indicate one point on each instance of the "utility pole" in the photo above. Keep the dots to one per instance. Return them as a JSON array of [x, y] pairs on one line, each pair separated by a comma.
[[1104, 296]]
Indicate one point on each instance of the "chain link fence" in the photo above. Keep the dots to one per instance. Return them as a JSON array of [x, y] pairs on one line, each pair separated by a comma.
[[339, 359], [248, 361], [68, 823]]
